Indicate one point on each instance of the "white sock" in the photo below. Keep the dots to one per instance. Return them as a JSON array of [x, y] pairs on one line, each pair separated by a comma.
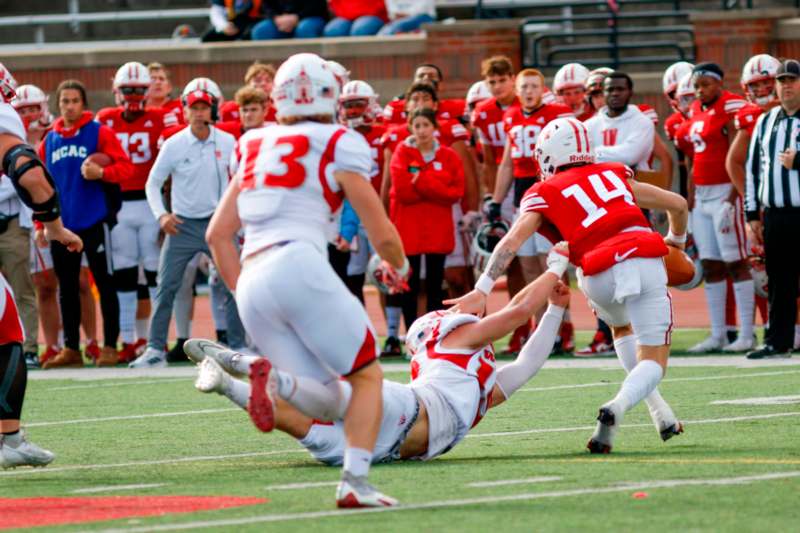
[[323, 401], [642, 380], [127, 316], [236, 390], [357, 461], [393, 321], [660, 411], [744, 292], [715, 298], [142, 328]]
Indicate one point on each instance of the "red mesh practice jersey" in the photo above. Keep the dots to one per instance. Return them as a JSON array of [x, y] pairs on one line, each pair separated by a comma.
[[522, 129], [373, 137], [487, 119], [746, 117], [672, 124]]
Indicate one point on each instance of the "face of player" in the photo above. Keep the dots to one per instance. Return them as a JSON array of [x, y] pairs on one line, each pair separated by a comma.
[[501, 87], [420, 100], [198, 114], [422, 129], [354, 109], [133, 98], [597, 99], [427, 75], [685, 103], [70, 105], [789, 92], [573, 97], [762, 89], [29, 114], [251, 116], [617, 93], [262, 81], [160, 87], [529, 90], [707, 89]]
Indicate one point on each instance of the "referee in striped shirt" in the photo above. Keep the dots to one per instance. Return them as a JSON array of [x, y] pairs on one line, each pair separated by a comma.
[[772, 206]]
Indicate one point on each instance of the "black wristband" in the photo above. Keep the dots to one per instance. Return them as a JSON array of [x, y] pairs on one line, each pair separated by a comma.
[[48, 210]]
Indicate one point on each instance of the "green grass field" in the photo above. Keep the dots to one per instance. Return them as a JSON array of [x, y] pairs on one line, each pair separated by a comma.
[[736, 468]]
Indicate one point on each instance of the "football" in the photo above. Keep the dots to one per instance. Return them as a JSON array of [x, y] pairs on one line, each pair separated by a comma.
[[99, 158], [680, 268]]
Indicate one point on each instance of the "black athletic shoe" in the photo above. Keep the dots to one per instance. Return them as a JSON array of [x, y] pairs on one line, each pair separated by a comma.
[[732, 335], [392, 348], [31, 359], [768, 352], [176, 354]]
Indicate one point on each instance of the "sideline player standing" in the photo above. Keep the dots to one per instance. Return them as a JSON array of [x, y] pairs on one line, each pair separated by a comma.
[[292, 179], [596, 208], [134, 239], [37, 190]]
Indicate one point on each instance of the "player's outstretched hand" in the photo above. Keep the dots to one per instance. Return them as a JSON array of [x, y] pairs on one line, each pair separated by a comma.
[[395, 280], [61, 234], [560, 295], [558, 259], [472, 303]]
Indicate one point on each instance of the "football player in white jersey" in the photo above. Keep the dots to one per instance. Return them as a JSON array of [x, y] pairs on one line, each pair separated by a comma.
[[36, 189], [454, 380], [291, 181]]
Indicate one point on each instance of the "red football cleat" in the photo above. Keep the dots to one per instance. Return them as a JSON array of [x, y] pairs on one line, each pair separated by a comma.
[[92, 350], [263, 389], [127, 353], [48, 354]]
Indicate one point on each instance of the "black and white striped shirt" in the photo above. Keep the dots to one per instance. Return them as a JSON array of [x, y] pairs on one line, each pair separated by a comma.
[[768, 183]]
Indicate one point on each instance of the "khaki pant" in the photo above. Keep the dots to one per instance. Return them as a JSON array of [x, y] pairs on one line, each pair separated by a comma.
[[15, 252]]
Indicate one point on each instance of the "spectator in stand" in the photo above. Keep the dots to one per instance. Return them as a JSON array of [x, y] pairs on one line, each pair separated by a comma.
[[158, 95], [364, 17], [408, 15], [233, 20], [89, 211], [284, 19], [259, 75], [427, 179]]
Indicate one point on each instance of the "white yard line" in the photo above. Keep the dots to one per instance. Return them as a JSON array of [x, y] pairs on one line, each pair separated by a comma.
[[504, 482], [300, 486], [115, 488], [129, 417], [464, 502], [132, 464], [666, 380], [763, 400], [590, 428], [119, 383]]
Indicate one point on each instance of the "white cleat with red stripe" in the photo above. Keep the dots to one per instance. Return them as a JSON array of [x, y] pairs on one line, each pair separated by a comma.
[[355, 492]]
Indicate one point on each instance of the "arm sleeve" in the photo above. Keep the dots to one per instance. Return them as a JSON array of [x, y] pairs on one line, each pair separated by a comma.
[[752, 173], [446, 192], [159, 172], [121, 168], [634, 148], [218, 16], [533, 354]]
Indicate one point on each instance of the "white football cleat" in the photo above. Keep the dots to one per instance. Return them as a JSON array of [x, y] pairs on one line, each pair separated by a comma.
[[609, 418], [210, 377], [151, 358], [710, 344], [355, 491], [263, 391], [25, 454], [197, 350], [739, 345]]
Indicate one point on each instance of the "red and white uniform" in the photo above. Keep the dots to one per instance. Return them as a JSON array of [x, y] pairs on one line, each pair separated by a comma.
[[523, 128], [746, 118], [395, 111], [705, 136], [288, 292], [173, 113], [673, 124], [373, 137], [618, 255], [449, 132], [487, 119], [454, 384]]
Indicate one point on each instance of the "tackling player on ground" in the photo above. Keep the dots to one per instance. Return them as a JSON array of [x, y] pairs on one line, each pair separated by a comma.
[[596, 208]]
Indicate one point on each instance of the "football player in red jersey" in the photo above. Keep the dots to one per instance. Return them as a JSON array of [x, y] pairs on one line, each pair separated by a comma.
[[596, 209], [135, 236], [159, 95], [717, 213], [569, 85], [670, 84], [258, 75], [251, 103], [396, 111]]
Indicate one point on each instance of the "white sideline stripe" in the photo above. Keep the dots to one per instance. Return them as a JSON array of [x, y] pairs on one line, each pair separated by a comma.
[[299, 486], [112, 488], [590, 428], [763, 400], [146, 463], [503, 482], [130, 417], [118, 383], [463, 502], [701, 378]]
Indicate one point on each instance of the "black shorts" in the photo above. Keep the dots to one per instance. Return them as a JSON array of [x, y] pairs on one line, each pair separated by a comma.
[[521, 186]]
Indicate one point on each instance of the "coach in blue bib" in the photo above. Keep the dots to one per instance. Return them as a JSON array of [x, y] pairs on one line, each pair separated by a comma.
[[86, 209]]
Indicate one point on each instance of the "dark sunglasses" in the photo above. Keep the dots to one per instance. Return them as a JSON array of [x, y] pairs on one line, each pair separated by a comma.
[[133, 90]]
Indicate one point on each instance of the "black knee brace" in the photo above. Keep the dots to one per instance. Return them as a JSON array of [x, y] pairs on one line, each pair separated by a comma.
[[13, 381], [152, 278], [126, 279]]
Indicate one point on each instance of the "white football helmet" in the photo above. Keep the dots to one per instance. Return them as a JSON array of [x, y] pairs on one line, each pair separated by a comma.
[[672, 76], [563, 141], [202, 84], [486, 238], [594, 81], [570, 75], [478, 92], [684, 94], [357, 104], [130, 85], [8, 84], [760, 67], [341, 74], [420, 331], [305, 85], [31, 95]]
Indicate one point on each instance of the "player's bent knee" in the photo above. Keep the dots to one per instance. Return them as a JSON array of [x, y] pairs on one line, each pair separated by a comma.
[[659, 354], [621, 331]]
